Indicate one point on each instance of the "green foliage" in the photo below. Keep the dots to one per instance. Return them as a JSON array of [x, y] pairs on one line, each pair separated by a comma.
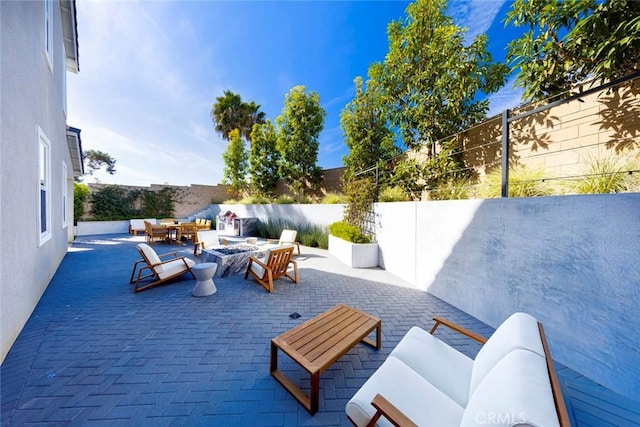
[[453, 189], [263, 159], [299, 127], [361, 195], [366, 134], [523, 182], [284, 200], [568, 41], [348, 232], [114, 202], [252, 200], [95, 159], [607, 175], [229, 112], [432, 77], [393, 194], [333, 199], [81, 194], [236, 163], [307, 234], [408, 176]]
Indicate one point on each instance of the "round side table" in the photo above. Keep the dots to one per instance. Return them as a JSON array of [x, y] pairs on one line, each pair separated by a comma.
[[204, 273]]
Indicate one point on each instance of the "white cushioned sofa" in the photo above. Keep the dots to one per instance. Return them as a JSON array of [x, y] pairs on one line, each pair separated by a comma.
[[426, 382]]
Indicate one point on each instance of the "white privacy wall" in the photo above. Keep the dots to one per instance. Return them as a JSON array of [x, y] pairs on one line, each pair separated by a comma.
[[571, 261]]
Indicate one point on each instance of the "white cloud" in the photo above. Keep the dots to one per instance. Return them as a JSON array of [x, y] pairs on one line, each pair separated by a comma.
[[476, 15], [507, 97], [136, 96]]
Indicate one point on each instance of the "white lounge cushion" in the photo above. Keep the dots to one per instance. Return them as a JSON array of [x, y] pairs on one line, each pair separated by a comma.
[[209, 238], [175, 267], [152, 256], [519, 331], [441, 365], [287, 236], [417, 398], [517, 391], [257, 268]]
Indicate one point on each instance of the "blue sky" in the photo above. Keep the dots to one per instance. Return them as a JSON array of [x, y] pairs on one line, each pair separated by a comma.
[[150, 72]]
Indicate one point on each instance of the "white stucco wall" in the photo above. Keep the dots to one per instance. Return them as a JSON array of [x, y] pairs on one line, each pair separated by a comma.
[[572, 261], [319, 214], [32, 96]]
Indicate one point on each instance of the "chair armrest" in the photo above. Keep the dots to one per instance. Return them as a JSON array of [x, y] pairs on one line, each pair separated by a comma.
[[174, 253], [260, 263], [390, 412], [457, 328]]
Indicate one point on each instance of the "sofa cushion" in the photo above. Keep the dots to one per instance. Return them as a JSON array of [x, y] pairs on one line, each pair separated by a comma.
[[416, 397], [517, 391], [175, 267], [519, 331], [441, 365]]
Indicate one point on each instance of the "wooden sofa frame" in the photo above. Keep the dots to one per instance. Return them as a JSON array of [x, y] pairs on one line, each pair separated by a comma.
[[397, 418]]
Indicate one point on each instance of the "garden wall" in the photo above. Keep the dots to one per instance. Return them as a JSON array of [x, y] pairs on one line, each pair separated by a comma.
[[571, 261]]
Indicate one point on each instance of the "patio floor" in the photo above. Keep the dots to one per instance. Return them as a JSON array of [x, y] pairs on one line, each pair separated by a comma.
[[95, 353]]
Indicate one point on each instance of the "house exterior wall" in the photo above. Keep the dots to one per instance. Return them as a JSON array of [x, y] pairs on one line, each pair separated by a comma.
[[32, 98], [570, 261]]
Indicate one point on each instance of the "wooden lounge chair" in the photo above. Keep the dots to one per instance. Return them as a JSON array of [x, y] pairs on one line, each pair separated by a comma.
[[207, 239], [287, 237], [154, 267], [274, 265], [155, 231]]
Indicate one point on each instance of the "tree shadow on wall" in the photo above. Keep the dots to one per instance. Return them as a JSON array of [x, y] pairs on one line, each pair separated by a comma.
[[621, 116], [532, 132]]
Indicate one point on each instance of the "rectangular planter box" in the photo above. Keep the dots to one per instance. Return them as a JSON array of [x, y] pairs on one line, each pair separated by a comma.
[[355, 255]]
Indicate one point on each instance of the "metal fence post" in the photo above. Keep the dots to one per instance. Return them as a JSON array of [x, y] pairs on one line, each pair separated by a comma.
[[505, 153]]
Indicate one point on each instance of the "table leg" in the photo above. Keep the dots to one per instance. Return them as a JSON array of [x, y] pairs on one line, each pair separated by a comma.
[[378, 342], [274, 358], [314, 393]]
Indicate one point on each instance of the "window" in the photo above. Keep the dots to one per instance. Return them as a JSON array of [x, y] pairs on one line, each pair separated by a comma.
[[48, 32], [64, 195], [44, 182]]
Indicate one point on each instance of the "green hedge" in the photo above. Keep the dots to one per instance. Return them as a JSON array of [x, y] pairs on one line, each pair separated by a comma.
[[348, 232]]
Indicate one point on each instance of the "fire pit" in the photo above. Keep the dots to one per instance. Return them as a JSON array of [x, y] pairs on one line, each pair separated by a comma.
[[232, 259]]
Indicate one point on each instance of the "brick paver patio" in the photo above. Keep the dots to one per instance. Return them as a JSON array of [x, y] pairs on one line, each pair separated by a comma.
[[95, 353]]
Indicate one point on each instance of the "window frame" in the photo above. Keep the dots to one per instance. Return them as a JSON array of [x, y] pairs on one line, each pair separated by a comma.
[[44, 185], [48, 32]]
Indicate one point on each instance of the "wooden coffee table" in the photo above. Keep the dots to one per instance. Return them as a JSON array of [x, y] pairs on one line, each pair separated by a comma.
[[317, 343]]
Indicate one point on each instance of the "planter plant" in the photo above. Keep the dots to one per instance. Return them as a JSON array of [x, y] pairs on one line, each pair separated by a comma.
[[351, 246]]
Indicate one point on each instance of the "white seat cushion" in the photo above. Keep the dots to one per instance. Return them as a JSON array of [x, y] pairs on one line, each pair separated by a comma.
[[519, 331], [152, 256], [517, 391], [441, 365], [175, 267], [417, 398], [257, 268]]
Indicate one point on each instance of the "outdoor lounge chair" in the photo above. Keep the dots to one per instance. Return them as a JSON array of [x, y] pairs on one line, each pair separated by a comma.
[[187, 230], [287, 237], [207, 239], [274, 265], [160, 271]]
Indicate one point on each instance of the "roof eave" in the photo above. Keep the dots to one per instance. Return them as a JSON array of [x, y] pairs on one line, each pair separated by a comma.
[[70, 34]]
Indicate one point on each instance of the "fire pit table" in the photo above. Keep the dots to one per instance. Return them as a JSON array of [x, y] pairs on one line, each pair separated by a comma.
[[232, 259]]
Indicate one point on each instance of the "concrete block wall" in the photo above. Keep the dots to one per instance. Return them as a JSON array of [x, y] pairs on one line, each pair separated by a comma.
[[571, 261]]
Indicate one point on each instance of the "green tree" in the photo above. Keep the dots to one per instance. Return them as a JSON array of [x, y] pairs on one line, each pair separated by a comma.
[[568, 41], [432, 78], [95, 159], [263, 158], [229, 112], [366, 134], [81, 194], [113, 202], [236, 162], [299, 126]]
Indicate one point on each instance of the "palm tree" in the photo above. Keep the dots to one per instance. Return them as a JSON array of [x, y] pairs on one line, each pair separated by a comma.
[[230, 112]]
